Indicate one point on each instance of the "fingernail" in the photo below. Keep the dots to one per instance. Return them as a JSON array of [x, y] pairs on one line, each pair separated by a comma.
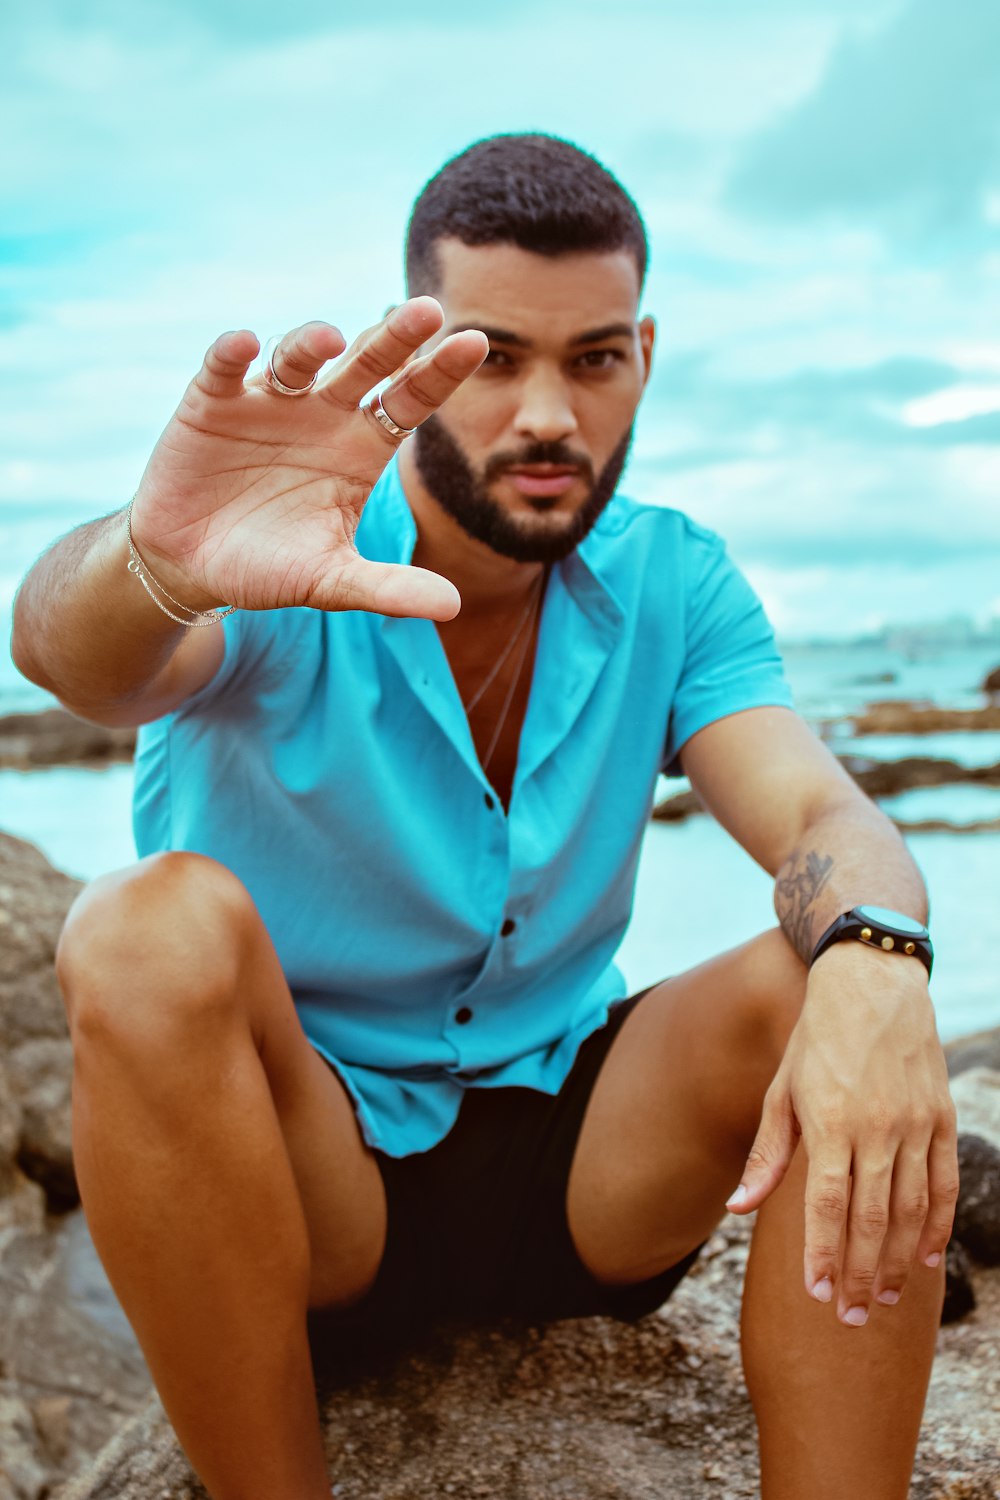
[[888, 1297], [735, 1199], [933, 1259], [856, 1316], [823, 1290]]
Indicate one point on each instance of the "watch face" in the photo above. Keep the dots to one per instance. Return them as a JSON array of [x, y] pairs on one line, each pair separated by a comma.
[[894, 920]]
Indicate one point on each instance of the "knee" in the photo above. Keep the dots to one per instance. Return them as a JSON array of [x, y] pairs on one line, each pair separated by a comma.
[[776, 987], [155, 943]]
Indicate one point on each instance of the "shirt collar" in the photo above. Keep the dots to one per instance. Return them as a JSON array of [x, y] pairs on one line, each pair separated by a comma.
[[388, 533]]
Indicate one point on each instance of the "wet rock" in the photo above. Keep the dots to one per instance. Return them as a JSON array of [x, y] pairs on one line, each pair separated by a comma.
[[58, 738], [977, 1214]]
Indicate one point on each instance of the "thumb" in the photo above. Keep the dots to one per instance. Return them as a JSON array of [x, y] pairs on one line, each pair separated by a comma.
[[770, 1155]]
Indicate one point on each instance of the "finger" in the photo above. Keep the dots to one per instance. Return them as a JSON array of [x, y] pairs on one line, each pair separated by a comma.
[[388, 589], [225, 365], [907, 1215], [427, 383], [380, 351], [942, 1186], [828, 1193], [771, 1153], [301, 354], [867, 1223]]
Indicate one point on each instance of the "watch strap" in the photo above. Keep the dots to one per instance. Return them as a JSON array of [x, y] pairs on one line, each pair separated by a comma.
[[853, 924]]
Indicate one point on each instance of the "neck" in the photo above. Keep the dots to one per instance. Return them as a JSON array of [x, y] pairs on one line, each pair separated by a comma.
[[486, 580]]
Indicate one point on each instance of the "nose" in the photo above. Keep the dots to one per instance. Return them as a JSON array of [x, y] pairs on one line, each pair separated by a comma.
[[545, 411]]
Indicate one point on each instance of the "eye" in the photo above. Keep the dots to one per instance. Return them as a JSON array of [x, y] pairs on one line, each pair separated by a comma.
[[499, 359], [600, 359]]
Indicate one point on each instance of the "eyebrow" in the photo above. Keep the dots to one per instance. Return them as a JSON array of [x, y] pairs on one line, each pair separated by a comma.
[[591, 336]]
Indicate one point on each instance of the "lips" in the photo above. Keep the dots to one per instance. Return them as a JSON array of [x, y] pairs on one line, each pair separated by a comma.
[[543, 479]]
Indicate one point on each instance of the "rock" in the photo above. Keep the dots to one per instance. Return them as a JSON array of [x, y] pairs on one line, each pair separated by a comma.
[[980, 1050], [976, 1094], [900, 716], [22, 1474], [877, 778], [71, 1369], [41, 1075], [34, 899], [10, 1135], [59, 1351], [34, 1040], [57, 738], [959, 1295], [886, 778], [977, 1214], [991, 682]]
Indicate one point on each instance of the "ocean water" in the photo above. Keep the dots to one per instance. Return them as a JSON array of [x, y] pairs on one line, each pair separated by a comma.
[[697, 893]]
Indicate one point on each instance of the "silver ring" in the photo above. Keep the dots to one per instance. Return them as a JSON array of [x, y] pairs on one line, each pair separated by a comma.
[[279, 385], [383, 418]]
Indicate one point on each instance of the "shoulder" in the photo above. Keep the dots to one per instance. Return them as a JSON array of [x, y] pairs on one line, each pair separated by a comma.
[[656, 540]]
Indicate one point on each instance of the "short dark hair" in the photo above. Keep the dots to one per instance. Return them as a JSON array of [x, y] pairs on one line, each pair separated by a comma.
[[538, 192]]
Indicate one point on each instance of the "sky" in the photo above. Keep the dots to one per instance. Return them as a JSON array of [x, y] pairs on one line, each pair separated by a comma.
[[820, 180]]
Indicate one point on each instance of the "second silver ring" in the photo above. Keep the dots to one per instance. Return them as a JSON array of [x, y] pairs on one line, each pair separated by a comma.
[[382, 417]]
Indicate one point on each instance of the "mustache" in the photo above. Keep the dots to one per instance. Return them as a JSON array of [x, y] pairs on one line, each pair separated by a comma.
[[538, 453]]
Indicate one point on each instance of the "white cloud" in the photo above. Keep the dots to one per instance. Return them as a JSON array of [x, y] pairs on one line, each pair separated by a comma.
[[953, 405]]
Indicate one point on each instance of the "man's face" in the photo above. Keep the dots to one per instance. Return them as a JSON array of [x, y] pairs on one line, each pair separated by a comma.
[[528, 451]]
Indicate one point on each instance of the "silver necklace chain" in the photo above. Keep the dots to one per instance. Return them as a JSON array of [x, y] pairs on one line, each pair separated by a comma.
[[515, 679], [519, 626]]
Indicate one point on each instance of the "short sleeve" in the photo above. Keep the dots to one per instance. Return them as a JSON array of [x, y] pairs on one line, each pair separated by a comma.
[[251, 641], [730, 660]]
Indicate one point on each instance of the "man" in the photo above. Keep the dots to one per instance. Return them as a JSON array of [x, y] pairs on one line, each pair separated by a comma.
[[356, 1042]]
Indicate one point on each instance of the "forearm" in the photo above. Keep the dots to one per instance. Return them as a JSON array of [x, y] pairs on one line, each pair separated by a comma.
[[851, 853], [84, 627]]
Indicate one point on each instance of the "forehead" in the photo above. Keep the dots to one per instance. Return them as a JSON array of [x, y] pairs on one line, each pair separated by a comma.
[[535, 296]]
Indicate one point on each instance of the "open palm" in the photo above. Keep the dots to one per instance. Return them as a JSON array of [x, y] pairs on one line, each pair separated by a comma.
[[253, 498]]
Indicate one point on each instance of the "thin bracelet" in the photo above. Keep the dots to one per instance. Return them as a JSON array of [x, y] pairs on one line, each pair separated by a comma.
[[201, 617]]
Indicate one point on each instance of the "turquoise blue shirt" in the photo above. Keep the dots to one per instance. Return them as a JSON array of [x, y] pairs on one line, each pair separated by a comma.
[[433, 943]]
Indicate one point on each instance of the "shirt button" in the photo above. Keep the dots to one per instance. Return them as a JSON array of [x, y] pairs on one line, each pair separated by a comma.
[[489, 801], [508, 927], [463, 1014]]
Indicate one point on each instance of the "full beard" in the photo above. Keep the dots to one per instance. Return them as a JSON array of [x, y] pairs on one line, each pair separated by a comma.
[[449, 477]]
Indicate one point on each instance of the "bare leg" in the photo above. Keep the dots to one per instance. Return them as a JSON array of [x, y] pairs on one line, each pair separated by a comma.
[[838, 1408], [663, 1143], [223, 1176]]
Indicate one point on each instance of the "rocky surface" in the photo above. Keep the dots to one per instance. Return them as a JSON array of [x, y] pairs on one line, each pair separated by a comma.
[[57, 738], [902, 716], [587, 1410], [877, 778], [70, 1370]]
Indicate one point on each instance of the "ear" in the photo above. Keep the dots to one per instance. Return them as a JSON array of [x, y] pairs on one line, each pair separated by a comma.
[[647, 338]]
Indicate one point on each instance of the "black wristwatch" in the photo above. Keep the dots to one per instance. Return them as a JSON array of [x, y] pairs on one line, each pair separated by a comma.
[[879, 928]]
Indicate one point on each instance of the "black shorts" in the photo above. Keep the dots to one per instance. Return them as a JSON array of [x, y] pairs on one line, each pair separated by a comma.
[[477, 1227]]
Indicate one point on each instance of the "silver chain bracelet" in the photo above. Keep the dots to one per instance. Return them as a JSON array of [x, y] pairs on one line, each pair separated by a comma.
[[200, 617]]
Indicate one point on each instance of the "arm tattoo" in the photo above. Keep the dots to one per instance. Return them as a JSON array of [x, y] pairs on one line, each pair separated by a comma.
[[799, 883]]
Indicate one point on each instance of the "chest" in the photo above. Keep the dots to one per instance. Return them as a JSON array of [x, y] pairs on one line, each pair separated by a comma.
[[495, 689]]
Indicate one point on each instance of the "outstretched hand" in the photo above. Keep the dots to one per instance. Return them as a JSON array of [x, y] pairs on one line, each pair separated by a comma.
[[252, 498], [864, 1083]]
